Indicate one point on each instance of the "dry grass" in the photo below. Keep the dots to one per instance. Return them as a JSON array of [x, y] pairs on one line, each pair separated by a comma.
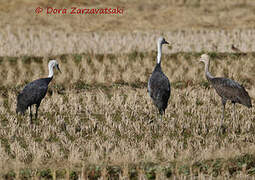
[[48, 42], [139, 15], [94, 120], [191, 26]]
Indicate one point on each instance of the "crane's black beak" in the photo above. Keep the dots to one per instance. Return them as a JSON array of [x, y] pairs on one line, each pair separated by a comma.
[[58, 68], [165, 42]]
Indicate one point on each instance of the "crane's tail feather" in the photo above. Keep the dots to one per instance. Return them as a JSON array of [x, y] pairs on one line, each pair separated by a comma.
[[20, 110], [21, 106], [249, 106]]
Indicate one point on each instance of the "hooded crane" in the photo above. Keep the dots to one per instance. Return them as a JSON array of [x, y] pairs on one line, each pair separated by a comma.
[[226, 88], [158, 84], [34, 92]]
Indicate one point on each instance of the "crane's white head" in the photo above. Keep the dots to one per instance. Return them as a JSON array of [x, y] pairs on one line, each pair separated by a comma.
[[161, 40], [204, 58], [53, 64]]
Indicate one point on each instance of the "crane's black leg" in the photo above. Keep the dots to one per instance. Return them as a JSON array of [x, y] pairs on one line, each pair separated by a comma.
[[222, 127], [36, 113], [223, 108], [31, 115]]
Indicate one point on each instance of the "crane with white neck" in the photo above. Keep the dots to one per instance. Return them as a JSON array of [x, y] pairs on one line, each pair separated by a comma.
[[227, 89], [35, 91], [158, 84]]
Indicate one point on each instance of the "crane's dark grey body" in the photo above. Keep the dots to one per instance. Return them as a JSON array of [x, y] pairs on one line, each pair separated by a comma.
[[226, 88], [159, 89], [158, 84], [33, 93]]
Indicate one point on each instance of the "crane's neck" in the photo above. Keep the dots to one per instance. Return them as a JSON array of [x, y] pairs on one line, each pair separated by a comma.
[[207, 73], [51, 72], [159, 53]]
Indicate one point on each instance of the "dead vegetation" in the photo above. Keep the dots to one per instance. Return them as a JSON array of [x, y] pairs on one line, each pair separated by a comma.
[[94, 120], [190, 26], [139, 15], [49, 42]]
